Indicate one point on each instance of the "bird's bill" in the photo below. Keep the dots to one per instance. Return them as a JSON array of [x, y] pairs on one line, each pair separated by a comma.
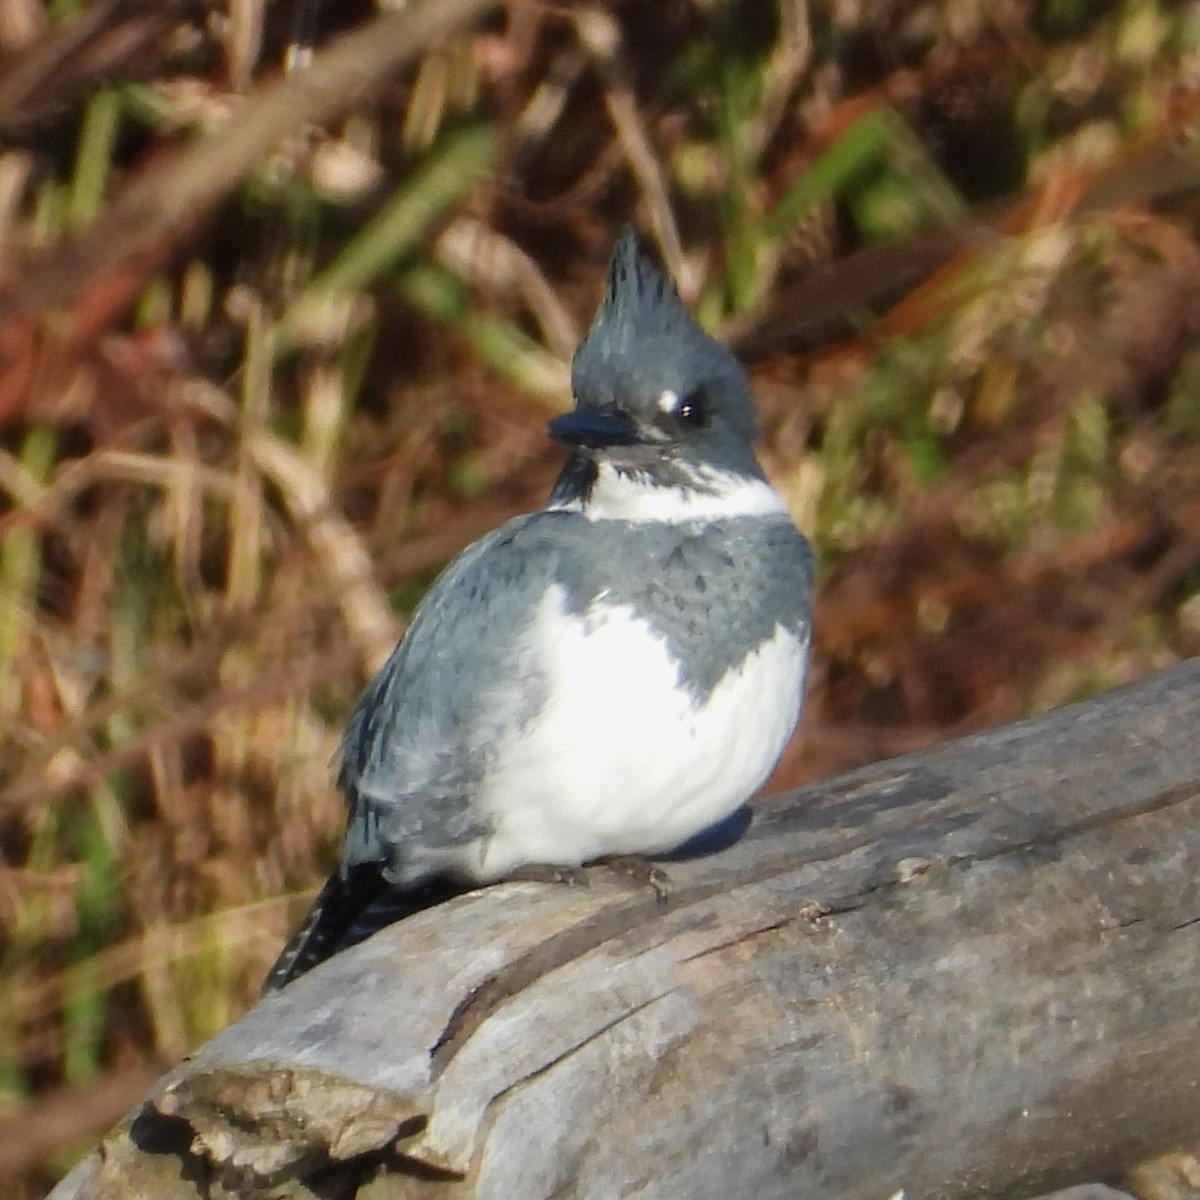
[[592, 429]]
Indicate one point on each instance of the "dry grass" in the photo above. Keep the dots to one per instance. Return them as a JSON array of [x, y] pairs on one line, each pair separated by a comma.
[[957, 241]]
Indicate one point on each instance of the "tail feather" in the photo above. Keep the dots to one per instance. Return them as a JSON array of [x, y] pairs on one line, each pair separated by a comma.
[[347, 910], [338, 904]]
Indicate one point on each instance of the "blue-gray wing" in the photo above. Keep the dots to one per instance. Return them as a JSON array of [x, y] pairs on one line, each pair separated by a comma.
[[422, 735]]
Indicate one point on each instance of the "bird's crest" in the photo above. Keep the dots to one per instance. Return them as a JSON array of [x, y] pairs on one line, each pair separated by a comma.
[[637, 294], [641, 320]]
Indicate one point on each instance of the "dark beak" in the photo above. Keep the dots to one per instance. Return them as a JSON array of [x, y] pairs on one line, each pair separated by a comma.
[[593, 429]]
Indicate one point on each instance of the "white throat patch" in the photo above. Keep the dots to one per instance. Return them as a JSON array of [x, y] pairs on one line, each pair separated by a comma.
[[719, 494]]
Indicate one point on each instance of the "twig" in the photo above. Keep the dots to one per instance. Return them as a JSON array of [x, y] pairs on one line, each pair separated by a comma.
[[66, 1116], [100, 272]]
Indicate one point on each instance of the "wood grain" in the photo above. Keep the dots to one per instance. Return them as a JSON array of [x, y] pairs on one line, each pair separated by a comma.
[[969, 971]]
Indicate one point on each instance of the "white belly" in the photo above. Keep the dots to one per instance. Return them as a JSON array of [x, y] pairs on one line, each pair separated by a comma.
[[622, 760]]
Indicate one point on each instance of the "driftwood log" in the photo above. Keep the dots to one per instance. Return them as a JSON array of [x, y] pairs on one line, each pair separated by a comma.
[[974, 970]]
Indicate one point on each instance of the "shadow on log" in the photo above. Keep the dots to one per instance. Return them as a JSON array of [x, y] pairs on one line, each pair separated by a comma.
[[970, 971]]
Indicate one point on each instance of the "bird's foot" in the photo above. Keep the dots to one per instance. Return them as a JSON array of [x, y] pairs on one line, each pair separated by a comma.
[[641, 872], [546, 873]]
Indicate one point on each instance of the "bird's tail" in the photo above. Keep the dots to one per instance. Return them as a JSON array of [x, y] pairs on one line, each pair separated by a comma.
[[347, 910], [342, 900]]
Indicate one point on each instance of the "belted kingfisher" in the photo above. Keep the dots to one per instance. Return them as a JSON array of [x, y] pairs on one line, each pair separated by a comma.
[[609, 676]]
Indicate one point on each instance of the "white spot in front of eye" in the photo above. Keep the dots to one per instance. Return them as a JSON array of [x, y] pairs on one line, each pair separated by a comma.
[[668, 402]]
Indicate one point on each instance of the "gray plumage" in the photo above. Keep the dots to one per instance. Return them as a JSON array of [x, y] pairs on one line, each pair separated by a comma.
[[423, 733]]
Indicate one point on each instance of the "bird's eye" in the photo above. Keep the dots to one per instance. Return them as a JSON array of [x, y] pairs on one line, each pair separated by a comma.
[[692, 411]]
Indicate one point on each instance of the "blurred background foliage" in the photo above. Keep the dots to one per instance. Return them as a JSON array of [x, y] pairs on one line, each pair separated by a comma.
[[955, 241]]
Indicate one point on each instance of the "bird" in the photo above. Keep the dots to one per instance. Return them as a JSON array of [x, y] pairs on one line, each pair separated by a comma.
[[606, 677]]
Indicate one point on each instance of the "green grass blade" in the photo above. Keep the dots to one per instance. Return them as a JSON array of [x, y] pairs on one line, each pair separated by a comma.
[[454, 166]]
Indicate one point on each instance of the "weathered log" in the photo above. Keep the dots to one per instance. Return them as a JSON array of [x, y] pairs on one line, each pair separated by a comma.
[[974, 970]]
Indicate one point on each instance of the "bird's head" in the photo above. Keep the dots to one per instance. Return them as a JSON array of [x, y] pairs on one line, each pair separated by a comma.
[[657, 400]]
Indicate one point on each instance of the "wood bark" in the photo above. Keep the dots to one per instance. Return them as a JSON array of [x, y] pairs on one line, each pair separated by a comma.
[[970, 971]]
